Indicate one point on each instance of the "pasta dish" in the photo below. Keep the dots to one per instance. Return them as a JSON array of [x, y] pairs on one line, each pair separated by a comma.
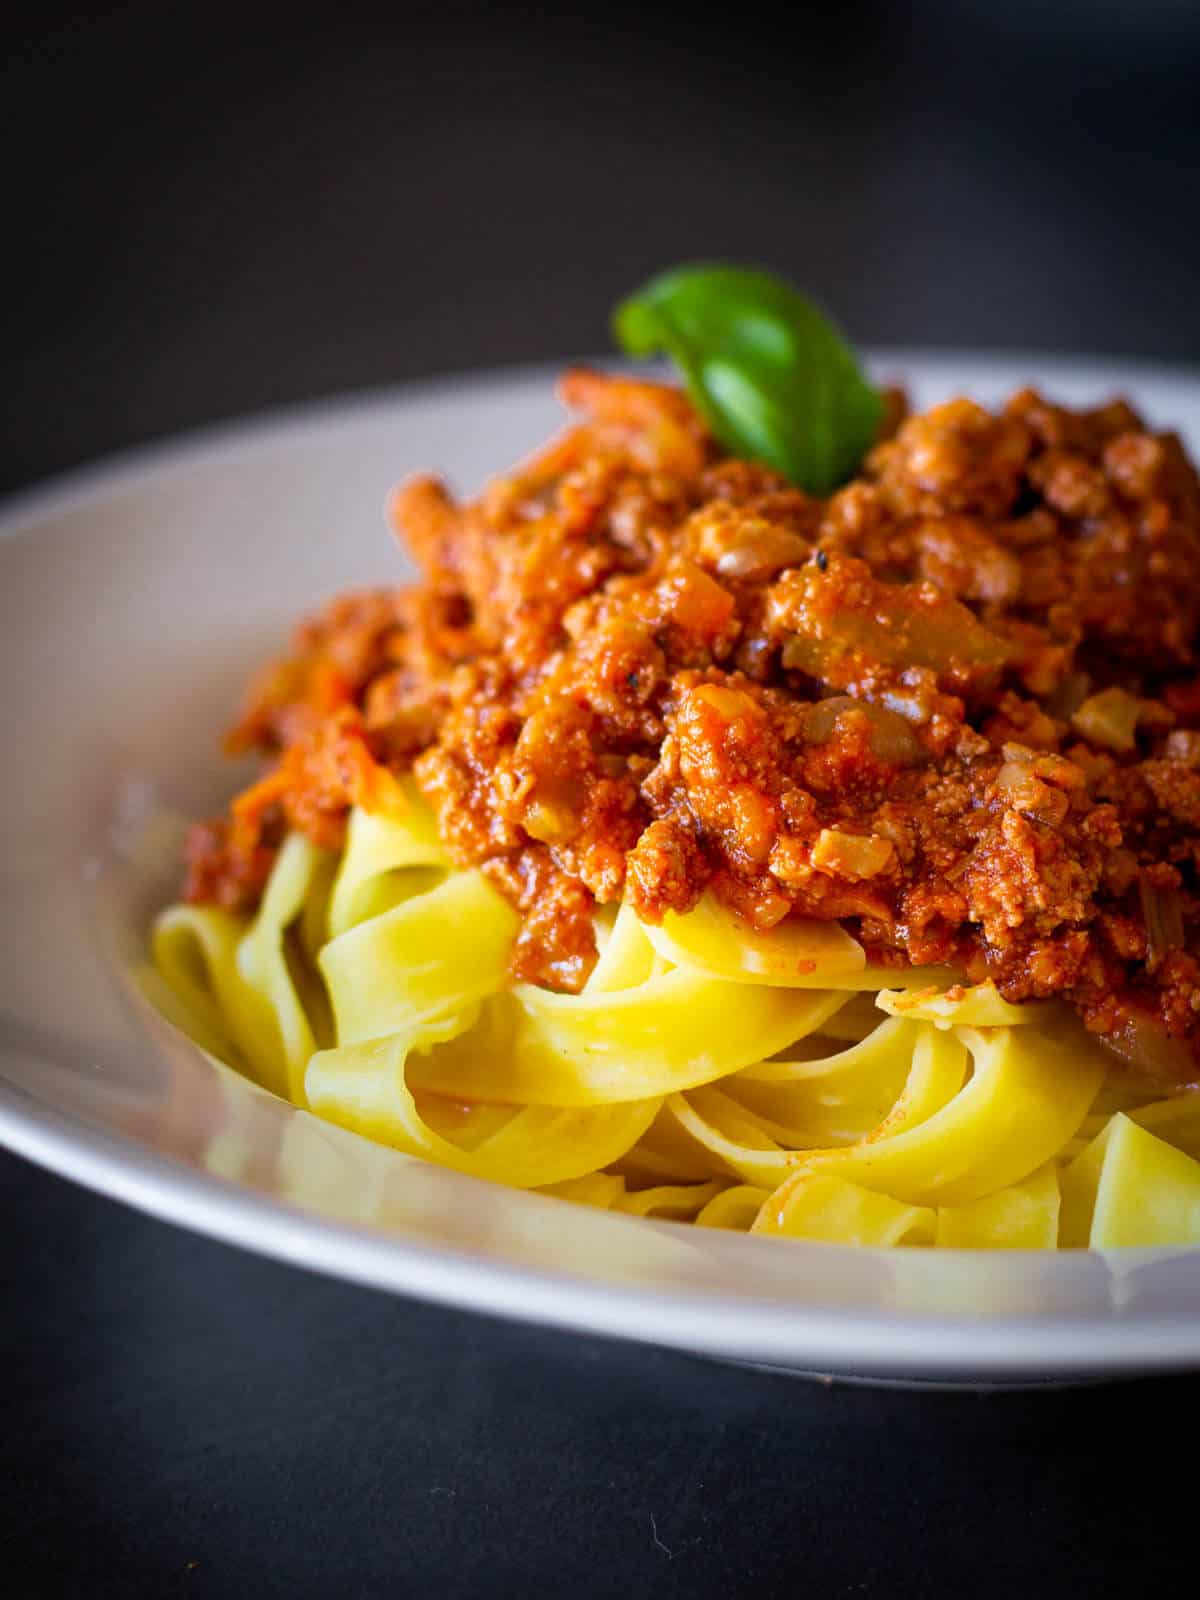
[[769, 808]]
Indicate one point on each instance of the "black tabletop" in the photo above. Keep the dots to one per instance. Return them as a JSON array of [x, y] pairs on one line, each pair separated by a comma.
[[206, 215]]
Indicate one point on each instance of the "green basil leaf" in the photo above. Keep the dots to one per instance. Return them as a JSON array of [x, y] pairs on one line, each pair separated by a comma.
[[770, 374]]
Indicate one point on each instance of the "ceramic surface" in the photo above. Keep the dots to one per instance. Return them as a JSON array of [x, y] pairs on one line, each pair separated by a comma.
[[133, 600]]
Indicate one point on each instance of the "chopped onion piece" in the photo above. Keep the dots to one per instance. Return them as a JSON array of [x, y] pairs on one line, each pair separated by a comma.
[[1024, 791], [1109, 718], [852, 855]]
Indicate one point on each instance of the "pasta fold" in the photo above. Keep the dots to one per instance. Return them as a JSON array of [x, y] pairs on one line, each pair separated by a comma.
[[774, 1083], [980, 1006], [798, 954], [415, 961], [241, 979], [364, 1088], [1023, 1101], [671, 1032], [1130, 1188], [814, 1205], [1021, 1217], [388, 856]]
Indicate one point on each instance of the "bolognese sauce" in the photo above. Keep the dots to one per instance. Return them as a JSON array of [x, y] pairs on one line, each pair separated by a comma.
[[956, 705]]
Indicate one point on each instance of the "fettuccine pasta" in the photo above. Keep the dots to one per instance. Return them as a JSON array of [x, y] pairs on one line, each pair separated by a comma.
[[699, 1076]]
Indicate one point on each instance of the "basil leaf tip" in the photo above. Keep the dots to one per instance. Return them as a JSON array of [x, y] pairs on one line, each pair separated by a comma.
[[770, 374]]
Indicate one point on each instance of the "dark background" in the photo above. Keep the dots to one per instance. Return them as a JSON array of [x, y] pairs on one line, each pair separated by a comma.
[[205, 214]]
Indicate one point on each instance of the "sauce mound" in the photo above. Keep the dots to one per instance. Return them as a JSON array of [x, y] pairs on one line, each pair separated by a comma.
[[955, 706]]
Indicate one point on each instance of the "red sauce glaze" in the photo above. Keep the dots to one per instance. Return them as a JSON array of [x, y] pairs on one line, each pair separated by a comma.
[[957, 705]]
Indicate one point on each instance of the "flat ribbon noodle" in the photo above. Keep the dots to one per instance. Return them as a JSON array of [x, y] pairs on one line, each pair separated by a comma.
[[667, 1154], [979, 1006], [1130, 1188], [627, 958], [739, 1141], [195, 953], [263, 963], [680, 1201], [418, 960], [599, 1189], [733, 1209], [835, 1098], [1024, 1100], [388, 856], [672, 1032], [797, 953], [363, 1087], [707, 1072], [1021, 1217], [814, 1205], [243, 971], [1175, 1121], [852, 1022], [764, 1152]]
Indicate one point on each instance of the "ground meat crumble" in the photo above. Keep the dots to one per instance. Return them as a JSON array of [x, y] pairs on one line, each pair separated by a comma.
[[956, 705]]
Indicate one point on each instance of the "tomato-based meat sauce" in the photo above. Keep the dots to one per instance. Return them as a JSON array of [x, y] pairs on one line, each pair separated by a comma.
[[955, 706]]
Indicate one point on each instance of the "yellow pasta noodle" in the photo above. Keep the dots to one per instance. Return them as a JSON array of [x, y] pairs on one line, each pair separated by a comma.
[[1130, 1188], [670, 1032], [980, 1006], [1023, 1101], [769, 1083], [412, 962], [815, 1205], [241, 973], [387, 858], [363, 1087], [1021, 1217], [734, 1209]]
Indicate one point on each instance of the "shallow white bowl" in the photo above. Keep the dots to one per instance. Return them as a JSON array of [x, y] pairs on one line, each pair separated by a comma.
[[133, 600]]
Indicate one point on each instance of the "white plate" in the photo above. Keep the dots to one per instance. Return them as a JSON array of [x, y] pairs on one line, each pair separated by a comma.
[[133, 599]]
